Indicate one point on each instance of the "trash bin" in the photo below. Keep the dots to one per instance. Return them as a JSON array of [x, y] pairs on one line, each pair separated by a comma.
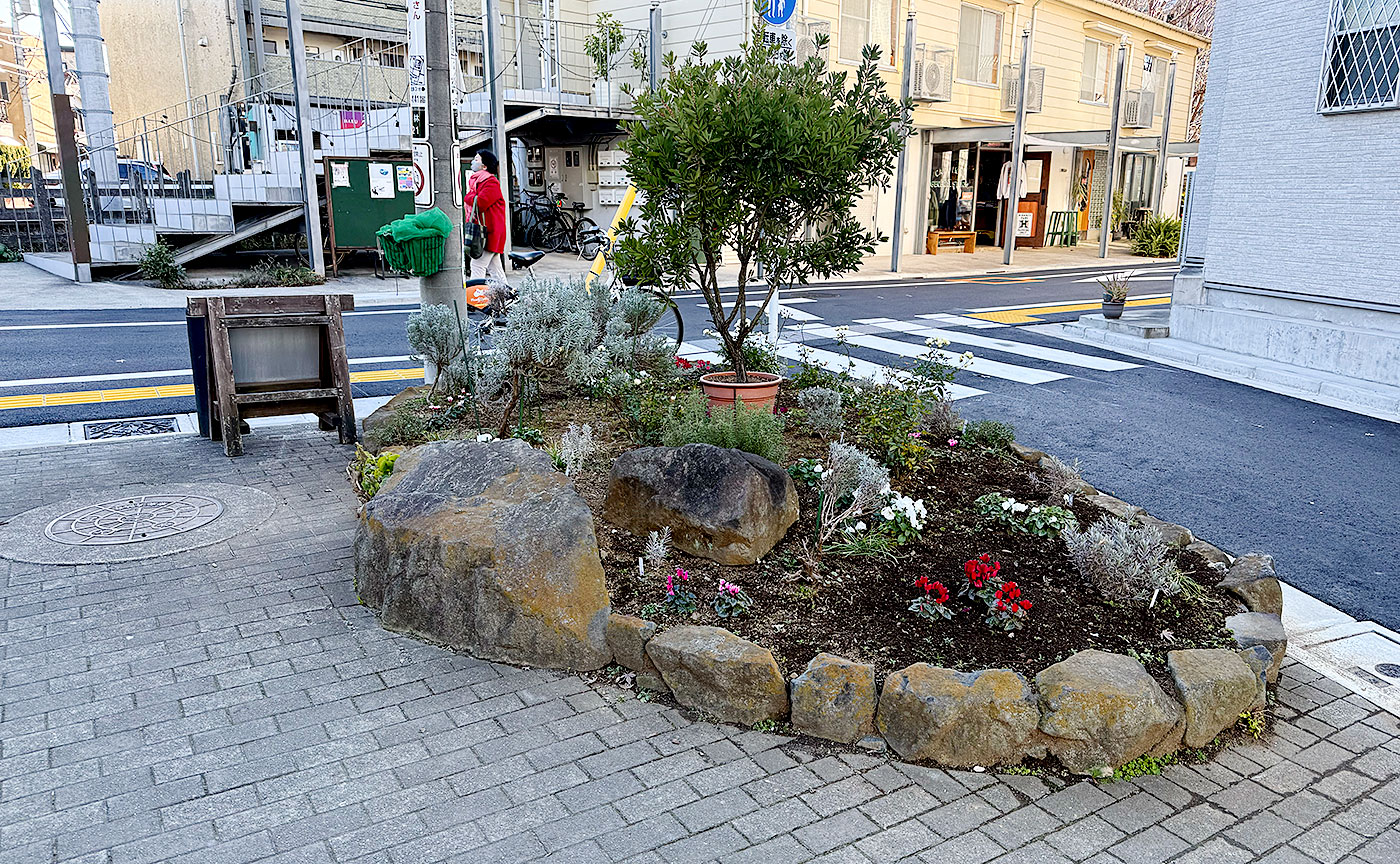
[[415, 244]]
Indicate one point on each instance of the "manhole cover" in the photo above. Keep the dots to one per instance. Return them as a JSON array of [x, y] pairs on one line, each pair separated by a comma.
[[129, 428], [1389, 670], [133, 520]]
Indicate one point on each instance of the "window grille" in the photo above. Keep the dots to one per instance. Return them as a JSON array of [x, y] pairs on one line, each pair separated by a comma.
[[1361, 66]]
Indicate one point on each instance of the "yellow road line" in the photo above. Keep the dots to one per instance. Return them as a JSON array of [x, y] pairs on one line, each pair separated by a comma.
[[1029, 316], [167, 391]]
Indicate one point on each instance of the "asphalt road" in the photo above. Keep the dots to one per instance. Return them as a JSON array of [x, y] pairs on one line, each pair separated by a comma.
[[1246, 469]]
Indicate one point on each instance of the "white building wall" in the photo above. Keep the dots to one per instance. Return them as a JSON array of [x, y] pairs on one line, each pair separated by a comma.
[[1295, 211]]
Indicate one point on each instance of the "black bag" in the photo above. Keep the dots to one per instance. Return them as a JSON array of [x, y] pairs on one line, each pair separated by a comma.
[[474, 235]]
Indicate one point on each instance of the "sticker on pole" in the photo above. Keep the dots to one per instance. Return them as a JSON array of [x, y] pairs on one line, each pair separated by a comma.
[[422, 175]]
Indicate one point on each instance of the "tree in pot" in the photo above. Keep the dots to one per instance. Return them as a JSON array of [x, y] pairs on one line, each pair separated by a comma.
[[762, 158], [601, 44]]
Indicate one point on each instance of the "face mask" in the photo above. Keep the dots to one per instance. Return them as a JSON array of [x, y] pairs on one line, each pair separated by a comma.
[[477, 165]]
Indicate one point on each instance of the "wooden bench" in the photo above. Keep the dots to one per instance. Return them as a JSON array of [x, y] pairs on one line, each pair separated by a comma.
[[967, 238]]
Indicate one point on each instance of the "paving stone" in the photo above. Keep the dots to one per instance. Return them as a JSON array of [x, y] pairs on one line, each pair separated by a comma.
[[1136, 812], [1262, 832], [838, 830], [1243, 798], [1343, 786], [1367, 818], [1076, 801], [973, 847], [1216, 851], [1303, 808], [898, 841], [1152, 846], [1084, 838], [782, 817], [1327, 842], [1021, 826]]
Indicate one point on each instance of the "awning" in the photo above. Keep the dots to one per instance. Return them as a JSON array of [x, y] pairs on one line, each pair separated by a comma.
[[1088, 139]]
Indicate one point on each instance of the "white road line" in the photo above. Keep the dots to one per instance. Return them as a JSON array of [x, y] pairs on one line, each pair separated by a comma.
[[1154, 277], [92, 325], [161, 373], [861, 368], [978, 365], [1023, 349]]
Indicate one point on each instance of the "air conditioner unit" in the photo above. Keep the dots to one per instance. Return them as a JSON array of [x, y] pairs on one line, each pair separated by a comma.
[[338, 56], [1138, 108], [1011, 84], [932, 79], [807, 46]]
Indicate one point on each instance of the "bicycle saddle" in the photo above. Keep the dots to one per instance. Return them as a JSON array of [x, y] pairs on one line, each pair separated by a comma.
[[524, 260]]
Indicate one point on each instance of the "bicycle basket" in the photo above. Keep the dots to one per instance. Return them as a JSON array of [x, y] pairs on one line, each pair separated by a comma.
[[421, 256]]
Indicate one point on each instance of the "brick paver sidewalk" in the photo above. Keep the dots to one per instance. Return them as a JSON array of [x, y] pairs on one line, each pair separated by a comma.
[[236, 704]]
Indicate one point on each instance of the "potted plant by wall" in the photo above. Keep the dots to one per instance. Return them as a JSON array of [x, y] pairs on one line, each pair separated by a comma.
[[1115, 294], [602, 44], [764, 159]]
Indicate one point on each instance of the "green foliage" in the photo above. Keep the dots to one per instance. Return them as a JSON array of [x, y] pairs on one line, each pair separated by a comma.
[[158, 264], [529, 434], [1157, 237], [693, 420], [1124, 560], [9, 256], [762, 157], [1252, 724], [731, 601], [276, 274], [436, 335], [823, 410], [367, 471], [602, 43], [644, 413], [806, 472], [892, 419], [1143, 766], [14, 158], [1039, 520], [991, 435], [759, 355]]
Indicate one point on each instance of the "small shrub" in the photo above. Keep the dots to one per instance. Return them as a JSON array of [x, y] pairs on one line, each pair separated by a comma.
[[1123, 560], [8, 255], [991, 435], [1157, 237], [754, 430], [892, 420], [1034, 519], [823, 410], [435, 335], [853, 485], [680, 599], [158, 264], [941, 421], [1252, 724], [1060, 480], [367, 471], [658, 547], [731, 600], [275, 274], [1007, 609], [759, 354], [1115, 286]]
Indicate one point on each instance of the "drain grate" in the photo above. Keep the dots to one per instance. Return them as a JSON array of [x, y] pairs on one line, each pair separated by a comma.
[[127, 428], [133, 520], [1389, 670]]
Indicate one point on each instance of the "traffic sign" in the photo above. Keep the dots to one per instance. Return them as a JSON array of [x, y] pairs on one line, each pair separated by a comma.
[[422, 174], [779, 11]]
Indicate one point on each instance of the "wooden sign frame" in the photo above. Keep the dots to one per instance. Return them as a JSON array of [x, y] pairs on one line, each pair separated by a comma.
[[327, 396]]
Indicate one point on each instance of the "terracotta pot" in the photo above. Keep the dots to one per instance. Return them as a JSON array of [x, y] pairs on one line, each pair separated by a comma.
[[1112, 309], [761, 391]]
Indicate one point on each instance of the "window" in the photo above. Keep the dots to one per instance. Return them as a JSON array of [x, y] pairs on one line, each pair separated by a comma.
[[1361, 69], [392, 59], [1154, 80], [865, 22], [269, 46], [4, 91], [1094, 85], [979, 44]]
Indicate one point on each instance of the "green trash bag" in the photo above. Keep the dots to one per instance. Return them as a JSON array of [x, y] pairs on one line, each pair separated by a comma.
[[415, 243]]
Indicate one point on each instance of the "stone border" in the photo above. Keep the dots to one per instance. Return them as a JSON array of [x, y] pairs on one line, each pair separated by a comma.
[[1094, 711]]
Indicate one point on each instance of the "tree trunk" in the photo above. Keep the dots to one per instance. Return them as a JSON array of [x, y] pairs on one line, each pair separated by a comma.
[[736, 357]]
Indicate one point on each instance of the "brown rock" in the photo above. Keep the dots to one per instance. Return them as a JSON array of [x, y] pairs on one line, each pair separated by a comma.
[[1215, 686], [1027, 455], [1212, 554], [485, 548], [958, 719], [1258, 659], [1253, 580], [627, 639], [1101, 710], [834, 698], [1117, 506], [712, 669], [725, 505], [1172, 535]]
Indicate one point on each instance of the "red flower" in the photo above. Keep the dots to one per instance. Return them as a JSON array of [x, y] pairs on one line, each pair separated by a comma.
[[682, 363], [940, 594]]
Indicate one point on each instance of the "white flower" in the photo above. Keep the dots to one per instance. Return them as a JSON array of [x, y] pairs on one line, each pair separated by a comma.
[[929, 342], [860, 526], [967, 355], [888, 514], [485, 437], [1007, 503], [784, 313], [941, 342], [817, 467], [1018, 507]]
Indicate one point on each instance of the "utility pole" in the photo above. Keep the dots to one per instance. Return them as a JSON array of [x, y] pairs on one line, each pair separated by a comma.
[[304, 139], [1159, 197], [65, 136], [443, 288], [654, 37], [1111, 179], [91, 67], [897, 241], [500, 140], [22, 61], [1018, 151]]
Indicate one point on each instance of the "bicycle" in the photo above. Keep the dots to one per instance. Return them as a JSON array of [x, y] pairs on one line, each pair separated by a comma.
[[560, 233]]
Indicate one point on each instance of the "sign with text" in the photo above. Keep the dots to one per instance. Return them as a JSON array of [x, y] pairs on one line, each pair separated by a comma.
[[422, 174], [417, 60]]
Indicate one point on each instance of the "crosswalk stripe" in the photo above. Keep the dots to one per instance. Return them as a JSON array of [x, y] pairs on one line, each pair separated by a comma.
[[1006, 346], [861, 368], [978, 365]]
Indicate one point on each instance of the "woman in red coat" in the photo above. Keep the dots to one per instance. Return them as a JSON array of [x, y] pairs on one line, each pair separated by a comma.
[[484, 190]]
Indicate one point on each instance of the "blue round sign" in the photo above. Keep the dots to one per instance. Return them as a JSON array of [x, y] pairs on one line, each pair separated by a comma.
[[779, 11]]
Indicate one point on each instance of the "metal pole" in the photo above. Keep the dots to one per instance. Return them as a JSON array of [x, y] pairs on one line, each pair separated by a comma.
[[65, 136], [654, 45], [1111, 178], [22, 60], [189, 92], [443, 288], [897, 241], [304, 139], [259, 50], [500, 140], [245, 53], [1159, 193], [1018, 147]]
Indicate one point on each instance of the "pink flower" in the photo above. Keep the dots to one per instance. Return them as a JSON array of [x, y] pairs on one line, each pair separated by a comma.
[[952, 442], [685, 577]]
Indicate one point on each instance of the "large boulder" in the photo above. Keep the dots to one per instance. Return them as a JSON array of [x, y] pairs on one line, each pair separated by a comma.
[[627, 639], [1101, 710], [485, 548], [1253, 580], [725, 505], [1262, 629], [713, 670], [1215, 685], [958, 719], [834, 699]]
